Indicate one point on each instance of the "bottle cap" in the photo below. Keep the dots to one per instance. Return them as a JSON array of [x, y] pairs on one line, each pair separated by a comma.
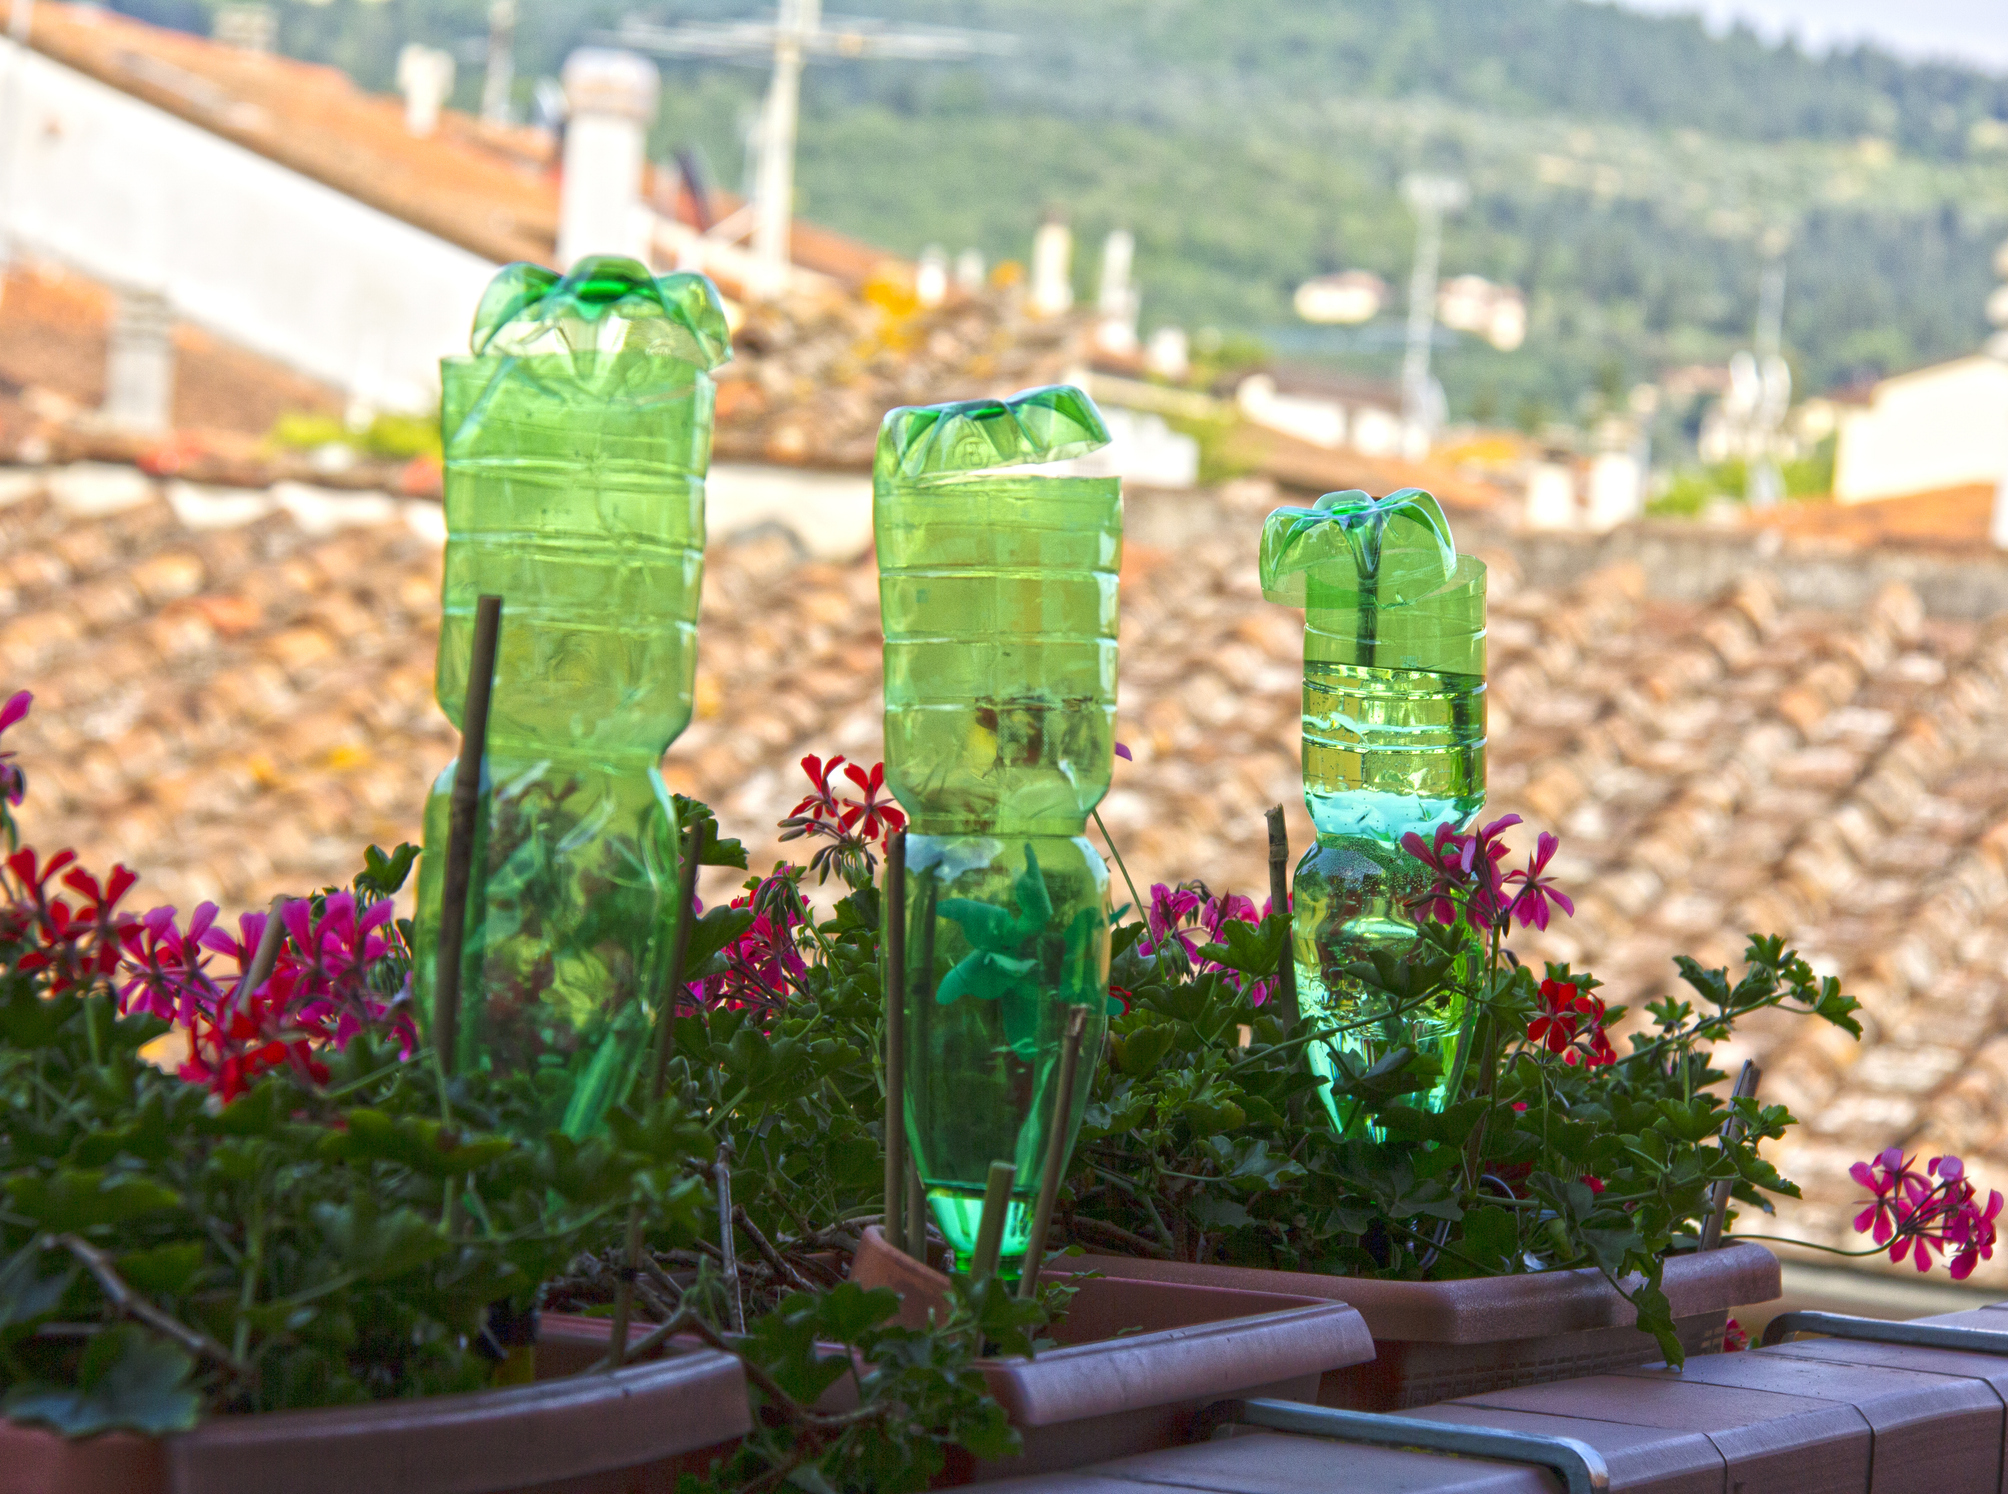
[[1396, 549], [607, 305], [1048, 424]]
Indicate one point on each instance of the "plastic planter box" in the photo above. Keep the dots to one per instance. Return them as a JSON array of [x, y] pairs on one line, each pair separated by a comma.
[[1437, 1340], [632, 1431]]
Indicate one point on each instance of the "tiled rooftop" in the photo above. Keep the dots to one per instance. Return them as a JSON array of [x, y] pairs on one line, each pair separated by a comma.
[[53, 329], [237, 710], [1944, 518], [808, 383]]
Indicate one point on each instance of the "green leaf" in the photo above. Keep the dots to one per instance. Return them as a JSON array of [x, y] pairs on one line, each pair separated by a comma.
[[424, 1145], [847, 1312], [1211, 1113], [1695, 1121], [1143, 1049], [1218, 1213], [1492, 1236], [383, 875], [164, 1271], [30, 1022], [716, 851], [712, 931], [1252, 949], [77, 1199], [128, 1380], [380, 1246], [25, 1293]]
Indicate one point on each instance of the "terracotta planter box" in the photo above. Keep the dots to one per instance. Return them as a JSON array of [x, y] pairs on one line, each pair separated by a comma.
[[1138, 1359], [629, 1432], [1438, 1340]]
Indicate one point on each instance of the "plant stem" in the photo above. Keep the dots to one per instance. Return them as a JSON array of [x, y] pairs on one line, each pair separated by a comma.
[[768, 1253], [124, 1299], [1739, 1236], [727, 1249], [1142, 908]]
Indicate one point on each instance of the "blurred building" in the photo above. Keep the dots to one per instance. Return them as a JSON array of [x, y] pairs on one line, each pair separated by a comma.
[[1940, 427], [1325, 410]]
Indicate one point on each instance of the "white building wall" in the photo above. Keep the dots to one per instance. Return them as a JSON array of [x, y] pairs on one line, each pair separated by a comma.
[[1551, 496], [256, 253], [1614, 491], [1322, 422], [1940, 427]]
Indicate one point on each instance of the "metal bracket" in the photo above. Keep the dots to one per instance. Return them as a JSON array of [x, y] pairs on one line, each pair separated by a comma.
[[1876, 1331], [1579, 1466]]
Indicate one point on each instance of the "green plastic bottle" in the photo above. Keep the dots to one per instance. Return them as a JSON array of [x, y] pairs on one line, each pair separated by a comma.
[[1394, 742], [998, 595], [576, 438]]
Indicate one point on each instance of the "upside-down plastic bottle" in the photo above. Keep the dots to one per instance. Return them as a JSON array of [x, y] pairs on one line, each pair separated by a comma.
[[1394, 742], [998, 594], [577, 437]]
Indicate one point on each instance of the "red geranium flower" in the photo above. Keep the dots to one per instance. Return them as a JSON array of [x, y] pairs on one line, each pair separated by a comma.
[[871, 817]]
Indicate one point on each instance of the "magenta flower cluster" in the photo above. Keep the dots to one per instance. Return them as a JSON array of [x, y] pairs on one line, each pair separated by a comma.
[[1917, 1213], [1188, 917], [325, 985], [762, 964], [1466, 879]]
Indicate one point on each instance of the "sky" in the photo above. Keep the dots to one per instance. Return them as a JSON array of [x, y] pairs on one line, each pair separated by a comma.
[[1974, 32]]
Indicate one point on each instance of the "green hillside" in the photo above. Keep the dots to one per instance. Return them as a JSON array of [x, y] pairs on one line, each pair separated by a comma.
[[1625, 169]]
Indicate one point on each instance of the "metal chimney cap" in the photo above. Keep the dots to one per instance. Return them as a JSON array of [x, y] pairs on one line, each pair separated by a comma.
[[604, 80]]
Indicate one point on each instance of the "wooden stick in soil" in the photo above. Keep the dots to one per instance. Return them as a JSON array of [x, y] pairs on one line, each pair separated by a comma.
[[895, 1038], [689, 847], [1057, 1150], [990, 1224], [721, 1170], [267, 953], [1718, 1211], [691, 852], [1279, 902], [466, 804]]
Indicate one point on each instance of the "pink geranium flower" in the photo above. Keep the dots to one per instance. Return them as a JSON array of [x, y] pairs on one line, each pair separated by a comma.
[[1537, 891]]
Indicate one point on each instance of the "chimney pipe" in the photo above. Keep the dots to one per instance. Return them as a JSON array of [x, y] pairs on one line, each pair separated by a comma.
[[1052, 267], [1116, 304], [611, 95], [425, 77], [139, 364], [930, 281]]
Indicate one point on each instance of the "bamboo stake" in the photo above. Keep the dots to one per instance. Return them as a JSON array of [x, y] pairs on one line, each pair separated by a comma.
[[1057, 1150], [1279, 902], [1718, 1212], [466, 805], [990, 1225], [895, 1037], [267, 953], [692, 852]]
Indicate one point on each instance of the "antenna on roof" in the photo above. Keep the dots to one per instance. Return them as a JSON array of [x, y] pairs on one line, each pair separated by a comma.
[[500, 77], [799, 34], [1430, 198]]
